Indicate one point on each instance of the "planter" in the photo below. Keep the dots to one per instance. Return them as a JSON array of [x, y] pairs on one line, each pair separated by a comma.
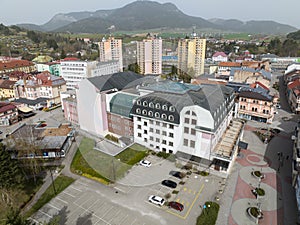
[[259, 192], [254, 213], [258, 174]]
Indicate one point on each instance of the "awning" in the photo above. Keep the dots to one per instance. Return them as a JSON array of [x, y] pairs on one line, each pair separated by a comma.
[[25, 109]]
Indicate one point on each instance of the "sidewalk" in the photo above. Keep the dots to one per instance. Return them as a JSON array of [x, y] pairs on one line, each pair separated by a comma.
[[279, 204]]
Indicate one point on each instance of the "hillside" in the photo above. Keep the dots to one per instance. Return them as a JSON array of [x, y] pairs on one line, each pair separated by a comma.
[[143, 15]]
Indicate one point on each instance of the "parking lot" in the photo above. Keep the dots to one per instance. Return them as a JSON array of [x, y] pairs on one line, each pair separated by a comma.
[[126, 202]]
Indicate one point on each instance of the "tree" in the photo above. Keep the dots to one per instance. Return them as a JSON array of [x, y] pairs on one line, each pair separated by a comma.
[[14, 217], [51, 43]]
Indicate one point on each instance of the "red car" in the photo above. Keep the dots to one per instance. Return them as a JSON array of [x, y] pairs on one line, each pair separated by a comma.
[[176, 205]]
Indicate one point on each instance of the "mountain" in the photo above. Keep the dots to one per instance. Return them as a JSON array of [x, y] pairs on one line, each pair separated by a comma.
[[265, 27], [143, 15]]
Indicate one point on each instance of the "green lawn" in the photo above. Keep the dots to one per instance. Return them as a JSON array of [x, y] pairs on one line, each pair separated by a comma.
[[209, 214], [60, 183], [102, 167]]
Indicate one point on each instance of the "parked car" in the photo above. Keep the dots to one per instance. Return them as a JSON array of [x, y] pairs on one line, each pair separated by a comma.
[[145, 163], [177, 174], [156, 200], [176, 205], [169, 183]]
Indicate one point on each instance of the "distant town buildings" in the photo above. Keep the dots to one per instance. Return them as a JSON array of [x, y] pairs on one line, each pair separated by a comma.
[[11, 65], [219, 57], [149, 55]]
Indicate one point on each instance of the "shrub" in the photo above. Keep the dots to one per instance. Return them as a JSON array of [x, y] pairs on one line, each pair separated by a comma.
[[188, 166], [175, 192], [182, 182], [167, 196]]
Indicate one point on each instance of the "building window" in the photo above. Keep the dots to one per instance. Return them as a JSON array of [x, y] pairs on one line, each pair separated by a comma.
[[193, 131], [145, 123], [164, 107], [157, 105], [138, 102], [145, 103], [144, 112], [164, 142], [145, 140], [151, 121], [171, 135], [171, 126], [138, 111], [185, 142], [171, 117], [194, 122], [172, 109], [164, 133], [187, 120], [157, 140], [157, 115], [157, 131], [192, 144], [151, 130], [157, 123], [170, 143], [151, 105], [145, 132], [188, 112], [241, 107], [164, 116], [150, 113], [139, 127], [151, 138], [186, 130], [139, 135], [193, 113], [164, 124]]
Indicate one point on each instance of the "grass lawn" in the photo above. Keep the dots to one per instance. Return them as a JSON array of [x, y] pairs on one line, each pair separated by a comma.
[[60, 183], [102, 167], [20, 197], [209, 215]]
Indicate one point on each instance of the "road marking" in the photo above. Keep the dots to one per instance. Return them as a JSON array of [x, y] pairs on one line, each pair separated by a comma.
[[191, 206], [62, 200], [82, 184], [45, 213], [69, 194], [133, 221], [54, 207], [76, 189]]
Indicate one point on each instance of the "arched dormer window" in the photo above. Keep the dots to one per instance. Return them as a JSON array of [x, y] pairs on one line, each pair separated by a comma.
[[157, 115], [171, 117], [150, 113], [144, 112], [157, 105], [138, 102], [151, 105], [164, 107], [138, 111], [164, 116], [172, 108], [145, 103]]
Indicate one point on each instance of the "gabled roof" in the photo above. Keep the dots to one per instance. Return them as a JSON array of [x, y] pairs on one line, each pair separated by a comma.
[[258, 94], [229, 64], [293, 84], [12, 64], [7, 84], [219, 54], [5, 106], [115, 81]]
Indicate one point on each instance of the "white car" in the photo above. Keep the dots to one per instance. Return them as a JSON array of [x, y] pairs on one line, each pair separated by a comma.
[[156, 200], [145, 163]]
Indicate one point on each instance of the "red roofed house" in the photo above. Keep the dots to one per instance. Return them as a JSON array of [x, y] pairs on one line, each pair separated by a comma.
[[219, 57], [42, 90], [16, 65], [8, 114], [293, 95]]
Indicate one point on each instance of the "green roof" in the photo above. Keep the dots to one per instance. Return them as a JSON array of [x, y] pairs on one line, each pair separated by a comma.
[[121, 104]]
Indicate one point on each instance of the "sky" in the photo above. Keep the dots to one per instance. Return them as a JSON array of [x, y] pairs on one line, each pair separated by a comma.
[[40, 12]]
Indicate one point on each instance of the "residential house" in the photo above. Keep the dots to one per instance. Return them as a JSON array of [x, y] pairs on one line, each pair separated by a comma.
[[255, 104], [7, 89], [296, 168], [42, 90], [219, 57], [8, 113], [12, 65], [293, 95]]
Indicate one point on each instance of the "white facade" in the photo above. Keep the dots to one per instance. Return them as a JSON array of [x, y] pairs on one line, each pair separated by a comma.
[[41, 67], [106, 68], [290, 68], [149, 56], [75, 71]]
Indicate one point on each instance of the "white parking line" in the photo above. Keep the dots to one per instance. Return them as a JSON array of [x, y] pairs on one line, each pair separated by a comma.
[[82, 184], [125, 217], [107, 212], [76, 189], [62, 200], [53, 206], [133, 221], [69, 194], [45, 213]]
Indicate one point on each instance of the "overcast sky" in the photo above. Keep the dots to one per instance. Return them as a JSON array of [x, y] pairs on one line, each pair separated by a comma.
[[40, 12]]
